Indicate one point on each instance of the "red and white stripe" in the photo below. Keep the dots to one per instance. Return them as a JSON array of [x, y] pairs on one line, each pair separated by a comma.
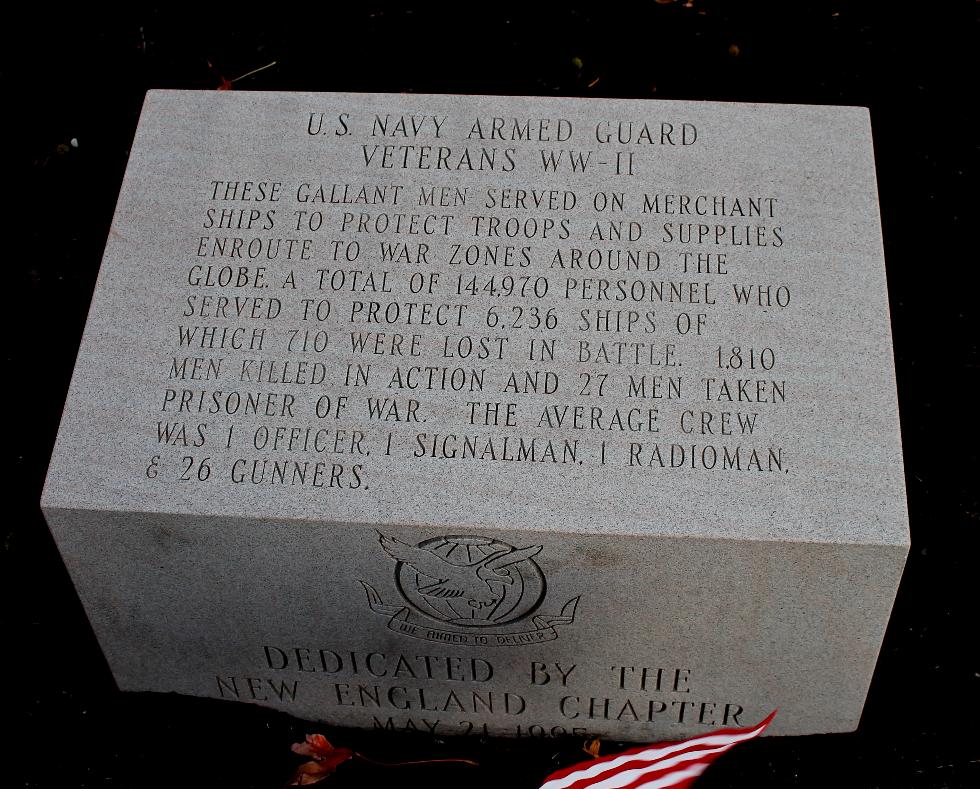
[[673, 764]]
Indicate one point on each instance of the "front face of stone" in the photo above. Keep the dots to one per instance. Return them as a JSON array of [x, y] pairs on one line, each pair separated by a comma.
[[448, 412]]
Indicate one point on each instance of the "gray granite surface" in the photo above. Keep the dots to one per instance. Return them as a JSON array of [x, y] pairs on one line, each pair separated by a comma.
[[635, 415]]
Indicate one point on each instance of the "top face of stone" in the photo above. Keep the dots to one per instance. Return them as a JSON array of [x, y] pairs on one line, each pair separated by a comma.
[[591, 315]]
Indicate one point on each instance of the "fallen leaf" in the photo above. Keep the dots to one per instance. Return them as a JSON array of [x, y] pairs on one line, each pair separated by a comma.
[[310, 773], [326, 759], [591, 747]]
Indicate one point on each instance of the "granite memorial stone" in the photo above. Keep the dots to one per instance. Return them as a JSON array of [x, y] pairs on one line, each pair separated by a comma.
[[465, 414]]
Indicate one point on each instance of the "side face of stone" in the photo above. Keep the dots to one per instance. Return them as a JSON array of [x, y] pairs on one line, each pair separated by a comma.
[[637, 638]]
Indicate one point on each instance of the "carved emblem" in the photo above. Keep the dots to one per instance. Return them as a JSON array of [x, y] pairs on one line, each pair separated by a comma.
[[475, 584]]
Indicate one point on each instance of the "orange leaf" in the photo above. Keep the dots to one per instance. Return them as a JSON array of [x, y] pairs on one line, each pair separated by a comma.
[[326, 759], [310, 773], [319, 748]]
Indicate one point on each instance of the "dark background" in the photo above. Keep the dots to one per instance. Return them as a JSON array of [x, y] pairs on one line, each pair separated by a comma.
[[80, 75]]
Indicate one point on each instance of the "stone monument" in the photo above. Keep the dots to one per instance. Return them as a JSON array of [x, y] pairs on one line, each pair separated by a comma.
[[507, 415]]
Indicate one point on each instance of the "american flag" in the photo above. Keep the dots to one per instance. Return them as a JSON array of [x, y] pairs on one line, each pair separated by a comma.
[[674, 764]]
